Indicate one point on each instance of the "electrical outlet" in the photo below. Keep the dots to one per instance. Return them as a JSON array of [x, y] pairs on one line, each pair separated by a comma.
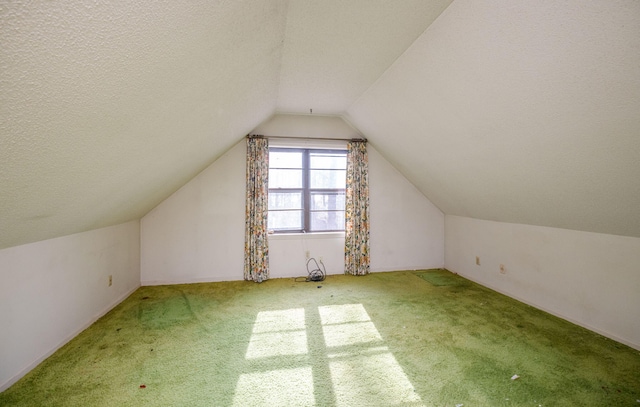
[[307, 254], [110, 280], [502, 269], [477, 261], [320, 258]]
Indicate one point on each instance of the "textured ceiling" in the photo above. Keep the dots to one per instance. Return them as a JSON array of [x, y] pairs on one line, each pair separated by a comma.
[[334, 50], [515, 111], [519, 111], [108, 107]]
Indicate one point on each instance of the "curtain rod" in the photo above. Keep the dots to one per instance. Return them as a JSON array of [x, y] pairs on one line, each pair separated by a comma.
[[307, 138]]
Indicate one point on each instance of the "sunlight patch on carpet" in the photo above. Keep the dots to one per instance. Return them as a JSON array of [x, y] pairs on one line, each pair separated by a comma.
[[363, 372], [283, 387], [350, 334], [279, 320], [348, 324], [278, 333], [346, 313], [368, 374], [371, 380]]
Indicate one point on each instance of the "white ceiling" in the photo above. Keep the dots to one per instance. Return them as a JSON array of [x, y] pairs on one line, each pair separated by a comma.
[[109, 107], [334, 50], [509, 110], [519, 111]]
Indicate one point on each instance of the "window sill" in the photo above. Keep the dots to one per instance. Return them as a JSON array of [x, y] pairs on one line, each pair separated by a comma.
[[297, 236]]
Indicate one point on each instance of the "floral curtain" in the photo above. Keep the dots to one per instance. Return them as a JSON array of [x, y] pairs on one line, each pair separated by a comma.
[[356, 254], [256, 248]]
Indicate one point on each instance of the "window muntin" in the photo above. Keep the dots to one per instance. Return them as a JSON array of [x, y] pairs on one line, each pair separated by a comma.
[[306, 190]]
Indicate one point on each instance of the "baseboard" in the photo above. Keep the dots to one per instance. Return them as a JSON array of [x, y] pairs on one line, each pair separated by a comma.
[[405, 268], [4, 386], [557, 314], [212, 280], [146, 283]]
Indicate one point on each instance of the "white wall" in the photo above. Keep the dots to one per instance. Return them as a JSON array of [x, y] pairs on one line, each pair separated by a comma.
[[287, 253], [591, 279], [197, 234], [407, 230], [53, 289], [302, 125]]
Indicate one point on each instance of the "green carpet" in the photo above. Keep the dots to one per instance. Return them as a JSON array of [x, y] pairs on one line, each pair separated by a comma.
[[442, 279], [387, 339]]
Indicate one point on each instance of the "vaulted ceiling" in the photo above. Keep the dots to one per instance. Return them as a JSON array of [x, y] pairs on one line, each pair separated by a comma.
[[515, 111]]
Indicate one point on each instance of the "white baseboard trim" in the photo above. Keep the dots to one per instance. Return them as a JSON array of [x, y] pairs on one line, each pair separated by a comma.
[[274, 275], [4, 386], [147, 283], [404, 268], [555, 313]]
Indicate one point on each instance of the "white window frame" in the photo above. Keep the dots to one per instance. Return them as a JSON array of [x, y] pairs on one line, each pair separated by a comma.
[[307, 191]]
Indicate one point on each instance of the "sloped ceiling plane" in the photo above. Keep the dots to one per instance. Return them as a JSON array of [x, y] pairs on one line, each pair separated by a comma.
[[514, 111]]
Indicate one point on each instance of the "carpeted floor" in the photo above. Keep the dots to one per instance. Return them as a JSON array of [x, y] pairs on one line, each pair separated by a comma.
[[427, 338]]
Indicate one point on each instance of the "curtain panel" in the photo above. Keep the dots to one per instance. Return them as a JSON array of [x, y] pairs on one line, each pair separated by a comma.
[[356, 255], [256, 245]]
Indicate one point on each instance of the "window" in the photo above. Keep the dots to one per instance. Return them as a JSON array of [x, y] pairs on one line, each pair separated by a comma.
[[306, 190]]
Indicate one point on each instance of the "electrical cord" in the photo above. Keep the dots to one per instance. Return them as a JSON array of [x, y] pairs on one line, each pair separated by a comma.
[[317, 274]]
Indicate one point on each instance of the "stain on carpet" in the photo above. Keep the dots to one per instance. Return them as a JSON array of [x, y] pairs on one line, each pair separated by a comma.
[[441, 279]]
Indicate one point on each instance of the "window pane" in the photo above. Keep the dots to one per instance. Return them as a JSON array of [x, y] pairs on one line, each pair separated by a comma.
[[323, 175], [284, 220], [327, 221], [328, 179], [328, 160], [285, 178], [285, 200], [327, 201], [285, 159]]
